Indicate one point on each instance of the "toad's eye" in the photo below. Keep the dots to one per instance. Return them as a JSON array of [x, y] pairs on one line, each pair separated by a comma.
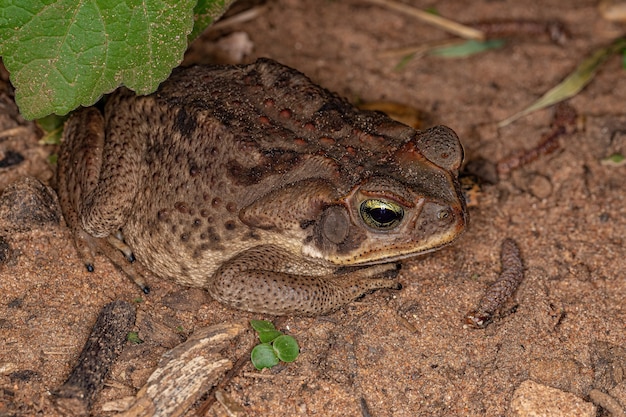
[[381, 214]]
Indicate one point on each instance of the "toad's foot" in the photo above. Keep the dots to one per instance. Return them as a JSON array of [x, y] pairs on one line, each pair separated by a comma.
[[116, 250]]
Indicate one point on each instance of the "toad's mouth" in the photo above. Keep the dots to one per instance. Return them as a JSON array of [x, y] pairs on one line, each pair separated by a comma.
[[390, 252], [395, 253]]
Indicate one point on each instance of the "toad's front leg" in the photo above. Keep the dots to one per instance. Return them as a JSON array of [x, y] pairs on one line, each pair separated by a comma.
[[97, 179], [267, 280]]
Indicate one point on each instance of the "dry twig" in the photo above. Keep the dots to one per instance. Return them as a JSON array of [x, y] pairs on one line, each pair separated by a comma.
[[496, 295], [448, 25], [76, 396]]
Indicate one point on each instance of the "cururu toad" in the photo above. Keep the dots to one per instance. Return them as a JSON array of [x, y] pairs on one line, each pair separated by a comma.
[[272, 193]]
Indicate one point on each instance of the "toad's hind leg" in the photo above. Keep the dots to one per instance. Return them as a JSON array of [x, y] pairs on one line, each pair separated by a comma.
[[264, 280], [94, 197]]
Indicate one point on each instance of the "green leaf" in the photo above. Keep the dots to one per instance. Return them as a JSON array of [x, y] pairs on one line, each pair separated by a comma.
[[262, 325], [266, 337], [286, 348], [266, 330], [205, 13], [467, 48], [133, 337], [52, 127], [263, 356], [573, 83], [66, 53]]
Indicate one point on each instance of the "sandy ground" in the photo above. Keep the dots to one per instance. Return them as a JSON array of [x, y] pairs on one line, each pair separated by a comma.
[[392, 353]]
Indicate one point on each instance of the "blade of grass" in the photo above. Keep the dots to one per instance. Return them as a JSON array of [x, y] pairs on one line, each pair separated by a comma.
[[455, 48], [467, 48], [574, 82]]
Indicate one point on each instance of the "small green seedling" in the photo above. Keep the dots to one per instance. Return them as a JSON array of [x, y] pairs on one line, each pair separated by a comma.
[[274, 346], [614, 160], [133, 337]]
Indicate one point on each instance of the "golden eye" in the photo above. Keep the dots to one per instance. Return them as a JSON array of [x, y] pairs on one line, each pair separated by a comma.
[[381, 214]]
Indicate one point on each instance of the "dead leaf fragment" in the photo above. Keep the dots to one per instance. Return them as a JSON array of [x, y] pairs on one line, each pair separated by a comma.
[[185, 373], [574, 83]]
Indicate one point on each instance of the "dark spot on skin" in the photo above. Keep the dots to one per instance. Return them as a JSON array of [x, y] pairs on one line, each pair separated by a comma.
[[242, 175], [204, 212], [185, 123], [216, 202], [275, 161], [181, 207], [304, 224], [184, 237], [194, 170], [212, 235], [285, 113], [252, 236], [231, 207], [163, 215], [230, 225], [196, 223], [200, 249]]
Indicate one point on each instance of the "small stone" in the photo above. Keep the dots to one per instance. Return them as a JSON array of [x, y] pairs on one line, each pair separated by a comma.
[[564, 374], [540, 186], [531, 399], [27, 204]]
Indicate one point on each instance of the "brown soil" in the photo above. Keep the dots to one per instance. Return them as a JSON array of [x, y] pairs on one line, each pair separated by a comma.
[[392, 353]]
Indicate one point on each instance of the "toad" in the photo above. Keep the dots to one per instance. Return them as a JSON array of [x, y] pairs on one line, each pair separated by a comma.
[[251, 181]]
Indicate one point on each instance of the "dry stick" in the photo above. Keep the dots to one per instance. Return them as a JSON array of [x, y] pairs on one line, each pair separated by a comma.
[[451, 26], [564, 121], [76, 396], [500, 291], [241, 17]]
